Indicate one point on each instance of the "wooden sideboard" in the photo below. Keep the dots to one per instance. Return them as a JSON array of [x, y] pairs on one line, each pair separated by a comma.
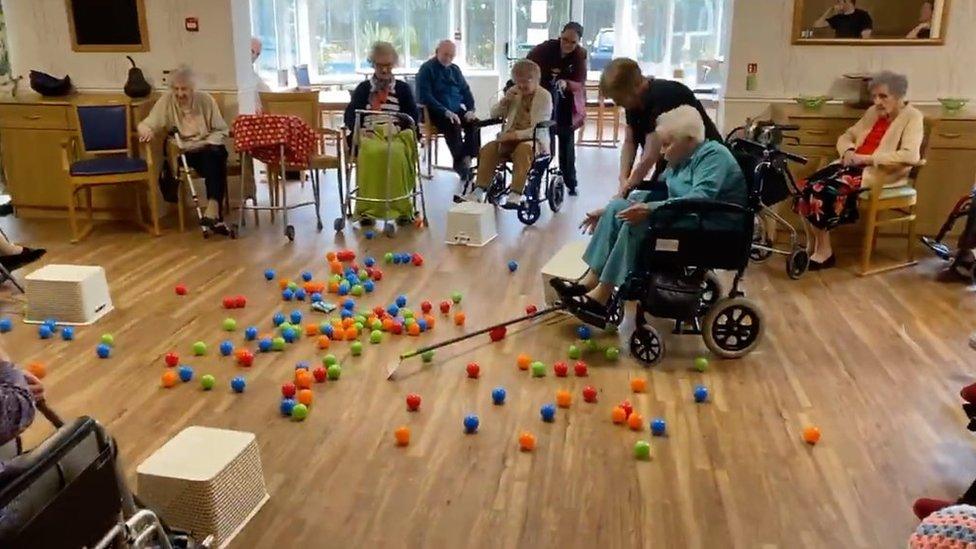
[[950, 171]]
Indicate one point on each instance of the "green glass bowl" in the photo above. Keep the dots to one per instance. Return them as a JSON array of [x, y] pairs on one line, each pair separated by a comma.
[[953, 104], [812, 102]]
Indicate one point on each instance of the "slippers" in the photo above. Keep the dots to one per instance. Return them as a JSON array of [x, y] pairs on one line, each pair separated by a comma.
[[588, 310], [567, 288]]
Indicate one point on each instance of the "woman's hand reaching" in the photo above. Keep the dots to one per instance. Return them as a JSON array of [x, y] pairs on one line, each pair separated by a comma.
[[589, 222], [635, 213]]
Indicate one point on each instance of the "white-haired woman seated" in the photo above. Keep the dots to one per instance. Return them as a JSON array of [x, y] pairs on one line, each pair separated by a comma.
[[879, 150], [202, 132], [696, 169], [383, 92]]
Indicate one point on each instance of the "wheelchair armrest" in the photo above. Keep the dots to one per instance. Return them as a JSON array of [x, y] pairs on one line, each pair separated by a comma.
[[488, 122], [700, 205]]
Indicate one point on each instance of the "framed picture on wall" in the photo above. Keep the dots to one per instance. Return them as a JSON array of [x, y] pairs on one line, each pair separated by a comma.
[[108, 25]]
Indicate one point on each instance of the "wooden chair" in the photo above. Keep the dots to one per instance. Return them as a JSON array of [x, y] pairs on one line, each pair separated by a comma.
[[101, 155], [882, 206], [429, 139], [601, 111]]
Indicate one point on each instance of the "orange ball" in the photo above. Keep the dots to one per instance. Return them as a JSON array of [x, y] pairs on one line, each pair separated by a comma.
[[402, 435], [309, 287], [523, 361], [335, 267], [638, 385], [330, 257], [38, 369], [303, 379], [351, 333], [526, 441], [283, 283], [413, 329], [387, 324], [430, 322], [338, 334], [618, 415], [324, 342], [305, 397], [333, 287], [811, 435], [348, 321], [459, 319], [563, 398], [169, 378], [371, 319], [311, 329], [635, 422]]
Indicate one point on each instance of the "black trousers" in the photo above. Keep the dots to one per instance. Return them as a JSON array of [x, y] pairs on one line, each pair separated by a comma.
[[463, 140], [565, 143], [210, 162]]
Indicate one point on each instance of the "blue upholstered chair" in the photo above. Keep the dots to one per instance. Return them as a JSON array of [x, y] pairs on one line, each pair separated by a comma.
[[101, 155]]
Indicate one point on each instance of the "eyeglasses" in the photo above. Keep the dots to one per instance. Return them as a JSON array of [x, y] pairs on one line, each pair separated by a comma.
[[388, 66]]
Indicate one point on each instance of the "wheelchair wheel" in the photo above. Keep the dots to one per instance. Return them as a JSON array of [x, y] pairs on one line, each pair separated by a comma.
[[646, 345], [711, 293], [389, 229], [339, 224], [616, 313], [496, 190], [290, 233], [556, 193], [759, 239], [529, 212], [797, 263], [733, 327]]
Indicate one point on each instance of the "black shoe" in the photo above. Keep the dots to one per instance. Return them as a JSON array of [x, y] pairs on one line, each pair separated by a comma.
[[220, 228], [25, 257], [567, 288], [828, 263], [6, 209], [572, 190], [589, 310]]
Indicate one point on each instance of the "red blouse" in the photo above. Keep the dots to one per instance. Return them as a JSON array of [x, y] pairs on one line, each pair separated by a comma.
[[873, 139]]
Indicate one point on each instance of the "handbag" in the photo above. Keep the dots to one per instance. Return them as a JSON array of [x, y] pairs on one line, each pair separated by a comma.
[[50, 86]]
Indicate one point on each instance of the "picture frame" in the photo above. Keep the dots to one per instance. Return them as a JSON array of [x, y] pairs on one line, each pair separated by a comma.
[[108, 25]]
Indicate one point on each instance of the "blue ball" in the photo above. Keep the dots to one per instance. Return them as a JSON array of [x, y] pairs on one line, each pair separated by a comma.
[[186, 373], [346, 313], [584, 333], [269, 274], [349, 272], [548, 412], [238, 384], [44, 331], [67, 333], [315, 297], [423, 325], [278, 319], [306, 276], [250, 333], [300, 294], [103, 350], [51, 323], [226, 348], [512, 266], [396, 259], [658, 427], [498, 395], [369, 261], [701, 393], [302, 365], [349, 304], [287, 294], [369, 235], [264, 345], [328, 330], [289, 335], [369, 286], [393, 310], [471, 423], [343, 288], [405, 258], [6, 324], [296, 317], [286, 406], [401, 301]]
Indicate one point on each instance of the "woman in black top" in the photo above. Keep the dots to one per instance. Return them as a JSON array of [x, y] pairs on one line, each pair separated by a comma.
[[847, 20]]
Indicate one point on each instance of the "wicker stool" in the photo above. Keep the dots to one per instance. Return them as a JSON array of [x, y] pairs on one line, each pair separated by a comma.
[[204, 480]]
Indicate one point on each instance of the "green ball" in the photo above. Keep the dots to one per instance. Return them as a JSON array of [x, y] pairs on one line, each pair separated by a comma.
[[611, 328], [574, 352], [230, 325], [612, 353], [407, 313], [377, 325], [409, 321], [589, 345], [284, 326], [334, 371], [363, 275], [335, 278], [538, 369], [359, 326], [278, 344], [456, 297], [359, 319], [329, 360], [199, 348], [356, 348], [292, 286], [428, 356], [207, 382], [299, 412], [108, 339], [701, 364], [323, 327], [375, 336], [388, 257], [357, 290], [642, 449]]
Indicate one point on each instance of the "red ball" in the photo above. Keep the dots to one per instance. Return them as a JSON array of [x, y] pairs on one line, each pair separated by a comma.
[[580, 369], [172, 359], [397, 328], [589, 394], [445, 307], [288, 390], [378, 310], [531, 310], [426, 306], [369, 272], [377, 275], [473, 370], [497, 334], [240, 301], [627, 407], [228, 302], [181, 289], [561, 369], [320, 374], [413, 402], [418, 260], [246, 358]]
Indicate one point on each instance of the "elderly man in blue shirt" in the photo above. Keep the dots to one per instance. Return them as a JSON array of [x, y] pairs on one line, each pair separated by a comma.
[[443, 90]]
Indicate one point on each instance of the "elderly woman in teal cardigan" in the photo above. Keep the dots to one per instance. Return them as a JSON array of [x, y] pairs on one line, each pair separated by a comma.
[[696, 169]]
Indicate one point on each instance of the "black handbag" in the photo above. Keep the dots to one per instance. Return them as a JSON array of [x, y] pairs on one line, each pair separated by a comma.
[[49, 86]]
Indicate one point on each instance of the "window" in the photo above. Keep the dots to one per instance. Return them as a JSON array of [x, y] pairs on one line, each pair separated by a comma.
[[478, 33]]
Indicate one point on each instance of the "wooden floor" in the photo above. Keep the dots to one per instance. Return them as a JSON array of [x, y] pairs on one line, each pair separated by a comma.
[[875, 362]]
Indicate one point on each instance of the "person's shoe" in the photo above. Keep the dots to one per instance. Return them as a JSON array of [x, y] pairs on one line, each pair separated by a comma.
[[25, 257], [924, 507], [828, 263], [6, 209], [476, 195], [567, 288], [513, 201], [571, 190]]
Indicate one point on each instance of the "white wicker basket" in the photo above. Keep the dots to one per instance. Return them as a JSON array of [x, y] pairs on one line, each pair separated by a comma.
[[204, 480], [70, 294]]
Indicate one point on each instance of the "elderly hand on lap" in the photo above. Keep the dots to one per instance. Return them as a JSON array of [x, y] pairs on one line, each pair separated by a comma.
[[852, 159], [506, 137], [635, 213]]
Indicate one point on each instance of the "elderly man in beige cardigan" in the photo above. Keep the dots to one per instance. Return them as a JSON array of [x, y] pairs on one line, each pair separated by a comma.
[[880, 149]]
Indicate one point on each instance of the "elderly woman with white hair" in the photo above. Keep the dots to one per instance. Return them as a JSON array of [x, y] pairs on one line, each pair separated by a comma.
[[880, 149], [697, 168], [202, 130]]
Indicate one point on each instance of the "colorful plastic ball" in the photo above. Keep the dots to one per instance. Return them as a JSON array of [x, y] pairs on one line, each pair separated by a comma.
[[250, 333], [305, 396], [445, 307], [417, 260], [589, 394], [171, 359], [306, 276], [627, 407], [229, 325], [635, 421], [580, 369], [315, 297], [618, 415], [238, 384], [295, 317], [369, 286], [701, 364], [67, 333], [401, 301], [638, 385], [185, 373], [512, 266], [473, 370], [574, 352], [356, 348], [52, 323], [264, 345], [658, 427], [278, 344], [563, 398], [278, 319], [393, 310], [413, 328], [422, 324], [460, 317], [701, 393], [589, 345], [561, 369], [181, 289], [642, 450], [407, 313], [329, 360], [300, 294], [538, 369], [498, 395], [38, 369], [345, 313], [289, 335], [471, 424], [103, 350], [228, 302], [287, 294], [288, 389], [245, 357], [6, 325], [396, 259], [320, 374], [293, 286], [413, 402], [526, 441], [169, 379], [584, 332], [548, 412], [523, 361], [286, 406], [226, 348], [344, 287], [357, 290], [369, 261], [402, 435], [456, 297], [269, 274], [811, 435], [612, 353], [427, 356], [388, 257], [44, 331], [334, 371], [299, 412], [375, 337], [207, 382], [377, 275], [303, 379]]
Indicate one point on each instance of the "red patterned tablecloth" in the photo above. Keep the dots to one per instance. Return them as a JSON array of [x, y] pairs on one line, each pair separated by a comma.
[[262, 135]]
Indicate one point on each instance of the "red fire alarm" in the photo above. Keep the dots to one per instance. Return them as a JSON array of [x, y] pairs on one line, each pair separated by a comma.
[[192, 24]]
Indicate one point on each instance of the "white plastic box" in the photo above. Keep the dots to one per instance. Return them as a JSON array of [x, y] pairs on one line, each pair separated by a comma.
[[69, 294], [471, 224], [567, 264]]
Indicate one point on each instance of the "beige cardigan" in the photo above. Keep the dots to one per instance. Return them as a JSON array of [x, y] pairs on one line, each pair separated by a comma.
[[166, 114], [899, 151], [540, 111]]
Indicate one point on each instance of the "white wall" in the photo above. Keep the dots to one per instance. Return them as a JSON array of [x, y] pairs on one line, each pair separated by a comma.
[[39, 39], [761, 32]]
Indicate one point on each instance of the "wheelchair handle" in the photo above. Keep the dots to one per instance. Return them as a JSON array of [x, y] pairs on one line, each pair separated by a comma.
[[771, 151], [411, 123]]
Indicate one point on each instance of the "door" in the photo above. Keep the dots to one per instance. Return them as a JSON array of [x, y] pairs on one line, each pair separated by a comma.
[[533, 22]]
